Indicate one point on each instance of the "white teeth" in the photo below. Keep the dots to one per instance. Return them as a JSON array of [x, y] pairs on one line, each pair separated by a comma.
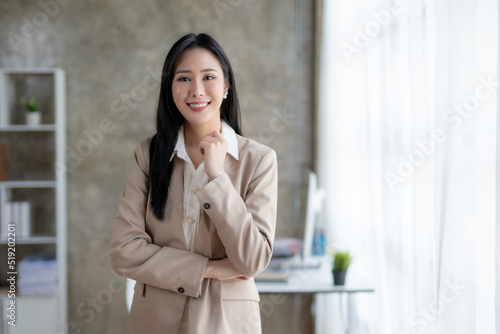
[[200, 105]]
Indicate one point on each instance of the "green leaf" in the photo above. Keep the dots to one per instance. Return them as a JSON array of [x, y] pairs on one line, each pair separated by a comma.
[[30, 106], [341, 261]]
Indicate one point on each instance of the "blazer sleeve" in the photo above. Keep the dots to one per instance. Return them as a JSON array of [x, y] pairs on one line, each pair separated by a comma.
[[132, 252], [247, 226]]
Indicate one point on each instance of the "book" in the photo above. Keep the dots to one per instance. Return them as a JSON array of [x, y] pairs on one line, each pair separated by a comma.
[[38, 274], [17, 213], [5, 219], [24, 222], [3, 163], [273, 275]]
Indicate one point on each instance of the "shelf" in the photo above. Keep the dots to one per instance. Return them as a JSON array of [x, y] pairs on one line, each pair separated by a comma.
[[4, 295], [27, 128], [33, 179], [31, 71], [28, 184], [32, 241]]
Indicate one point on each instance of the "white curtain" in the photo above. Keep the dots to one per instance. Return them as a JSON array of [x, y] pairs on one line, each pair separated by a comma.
[[407, 155]]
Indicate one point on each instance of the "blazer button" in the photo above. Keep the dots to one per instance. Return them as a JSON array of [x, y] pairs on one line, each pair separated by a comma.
[[181, 290], [206, 206]]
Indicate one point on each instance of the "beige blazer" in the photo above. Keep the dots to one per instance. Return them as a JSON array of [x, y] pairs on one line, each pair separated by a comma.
[[237, 221]]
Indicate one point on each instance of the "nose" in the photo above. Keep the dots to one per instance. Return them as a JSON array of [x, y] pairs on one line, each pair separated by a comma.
[[197, 88]]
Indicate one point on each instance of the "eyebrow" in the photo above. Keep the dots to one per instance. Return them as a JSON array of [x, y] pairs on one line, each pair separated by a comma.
[[188, 71]]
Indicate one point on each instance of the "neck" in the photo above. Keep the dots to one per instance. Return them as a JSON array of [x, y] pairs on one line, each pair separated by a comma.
[[193, 134]]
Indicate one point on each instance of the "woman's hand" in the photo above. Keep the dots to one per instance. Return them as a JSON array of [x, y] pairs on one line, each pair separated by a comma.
[[222, 270], [213, 148]]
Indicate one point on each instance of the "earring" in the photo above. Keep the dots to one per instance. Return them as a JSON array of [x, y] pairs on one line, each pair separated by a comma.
[[225, 95]]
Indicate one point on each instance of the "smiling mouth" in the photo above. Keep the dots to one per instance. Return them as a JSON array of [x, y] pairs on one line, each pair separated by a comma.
[[198, 105]]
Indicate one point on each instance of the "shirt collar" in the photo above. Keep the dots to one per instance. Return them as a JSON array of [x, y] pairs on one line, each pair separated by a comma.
[[227, 132]]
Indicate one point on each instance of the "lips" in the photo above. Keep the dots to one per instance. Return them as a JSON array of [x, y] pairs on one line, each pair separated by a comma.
[[198, 106]]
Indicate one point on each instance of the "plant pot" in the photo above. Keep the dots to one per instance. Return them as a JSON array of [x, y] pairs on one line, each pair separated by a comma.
[[339, 277], [33, 118]]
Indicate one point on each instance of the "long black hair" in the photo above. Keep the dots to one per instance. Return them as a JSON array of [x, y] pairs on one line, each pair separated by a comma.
[[169, 119]]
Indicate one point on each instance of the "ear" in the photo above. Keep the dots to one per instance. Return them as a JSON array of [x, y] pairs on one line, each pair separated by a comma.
[[226, 85]]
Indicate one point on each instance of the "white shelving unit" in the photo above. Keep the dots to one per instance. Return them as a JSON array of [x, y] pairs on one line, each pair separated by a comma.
[[43, 313]]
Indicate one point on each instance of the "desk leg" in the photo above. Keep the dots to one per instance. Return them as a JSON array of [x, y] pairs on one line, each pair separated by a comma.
[[318, 312], [348, 329], [343, 305]]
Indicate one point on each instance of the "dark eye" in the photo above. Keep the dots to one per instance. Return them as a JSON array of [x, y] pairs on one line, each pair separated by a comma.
[[183, 79], [209, 77]]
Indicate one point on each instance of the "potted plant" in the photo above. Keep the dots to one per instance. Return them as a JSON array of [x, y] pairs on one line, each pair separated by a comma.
[[341, 262], [33, 116]]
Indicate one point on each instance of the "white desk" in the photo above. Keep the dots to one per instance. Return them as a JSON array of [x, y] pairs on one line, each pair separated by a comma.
[[300, 281], [314, 281]]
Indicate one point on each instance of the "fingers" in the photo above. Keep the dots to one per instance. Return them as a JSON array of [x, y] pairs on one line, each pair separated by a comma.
[[215, 134], [224, 270], [211, 142], [213, 147], [213, 138]]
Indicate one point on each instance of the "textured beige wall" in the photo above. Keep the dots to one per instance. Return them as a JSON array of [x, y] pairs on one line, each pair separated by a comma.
[[111, 51]]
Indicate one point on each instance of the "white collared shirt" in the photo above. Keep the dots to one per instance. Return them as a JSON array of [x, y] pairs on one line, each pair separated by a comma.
[[195, 179]]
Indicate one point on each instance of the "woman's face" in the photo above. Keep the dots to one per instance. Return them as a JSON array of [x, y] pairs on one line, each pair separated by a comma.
[[198, 86]]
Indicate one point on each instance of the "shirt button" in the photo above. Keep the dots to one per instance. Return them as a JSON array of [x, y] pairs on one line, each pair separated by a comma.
[[194, 189], [206, 206], [181, 290], [190, 220]]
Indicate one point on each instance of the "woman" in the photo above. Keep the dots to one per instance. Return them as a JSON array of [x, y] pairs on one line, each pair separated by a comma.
[[197, 219]]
